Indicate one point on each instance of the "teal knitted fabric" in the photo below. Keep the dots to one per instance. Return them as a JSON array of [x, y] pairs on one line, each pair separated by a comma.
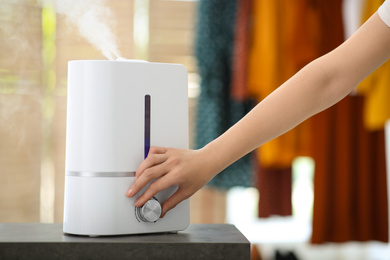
[[216, 109]]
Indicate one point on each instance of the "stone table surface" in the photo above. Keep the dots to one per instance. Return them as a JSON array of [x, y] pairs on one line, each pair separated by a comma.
[[47, 241]]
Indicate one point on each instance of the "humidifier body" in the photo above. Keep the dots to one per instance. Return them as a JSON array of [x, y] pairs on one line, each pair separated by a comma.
[[116, 110]]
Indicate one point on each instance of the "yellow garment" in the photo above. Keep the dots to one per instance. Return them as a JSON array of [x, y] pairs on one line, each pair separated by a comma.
[[376, 87], [263, 59], [280, 47]]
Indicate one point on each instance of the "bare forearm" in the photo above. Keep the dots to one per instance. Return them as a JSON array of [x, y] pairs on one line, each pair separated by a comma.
[[316, 87]]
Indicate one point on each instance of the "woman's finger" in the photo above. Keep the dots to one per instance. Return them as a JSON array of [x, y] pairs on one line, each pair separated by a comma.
[[154, 188], [147, 176], [157, 150], [149, 162]]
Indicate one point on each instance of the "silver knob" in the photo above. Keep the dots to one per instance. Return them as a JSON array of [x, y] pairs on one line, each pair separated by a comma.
[[150, 211]]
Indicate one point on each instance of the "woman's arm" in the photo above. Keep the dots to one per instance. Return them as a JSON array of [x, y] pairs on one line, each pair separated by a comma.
[[319, 85]]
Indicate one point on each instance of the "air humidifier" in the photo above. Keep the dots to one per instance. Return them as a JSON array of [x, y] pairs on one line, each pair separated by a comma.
[[116, 110]]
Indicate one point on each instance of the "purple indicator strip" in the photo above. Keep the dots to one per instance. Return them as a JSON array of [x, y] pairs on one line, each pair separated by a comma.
[[147, 126]]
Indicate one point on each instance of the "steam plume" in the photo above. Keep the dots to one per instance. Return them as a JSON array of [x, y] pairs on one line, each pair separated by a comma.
[[93, 20]]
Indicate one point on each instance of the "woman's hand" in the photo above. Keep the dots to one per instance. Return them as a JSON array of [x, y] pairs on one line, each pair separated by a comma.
[[188, 169]]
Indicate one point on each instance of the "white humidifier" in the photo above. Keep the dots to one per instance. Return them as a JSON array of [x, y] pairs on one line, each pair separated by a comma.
[[116, 111]]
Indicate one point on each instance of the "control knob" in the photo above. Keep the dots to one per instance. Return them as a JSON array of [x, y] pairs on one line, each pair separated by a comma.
[[150, 211]]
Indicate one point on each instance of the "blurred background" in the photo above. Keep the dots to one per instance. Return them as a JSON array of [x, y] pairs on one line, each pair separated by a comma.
[[317, 192]]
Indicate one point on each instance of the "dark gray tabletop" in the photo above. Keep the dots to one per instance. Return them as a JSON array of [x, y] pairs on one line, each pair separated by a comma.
[[47, 241]]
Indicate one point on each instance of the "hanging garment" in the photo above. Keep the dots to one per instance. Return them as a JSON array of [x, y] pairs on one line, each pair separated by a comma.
[[275, 187], [376, 87], [282, 43], [216, 109], [241, 46], [350, 193]]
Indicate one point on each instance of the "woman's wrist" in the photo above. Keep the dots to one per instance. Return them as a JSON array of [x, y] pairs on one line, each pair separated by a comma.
[[213, 159]]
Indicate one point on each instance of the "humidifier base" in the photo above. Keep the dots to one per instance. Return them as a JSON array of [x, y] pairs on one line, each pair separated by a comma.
[[98, 206]]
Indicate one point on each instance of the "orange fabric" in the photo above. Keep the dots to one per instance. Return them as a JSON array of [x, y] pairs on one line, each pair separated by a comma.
[[263, 66], [283, 41], [376, 87], [350, 192]]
